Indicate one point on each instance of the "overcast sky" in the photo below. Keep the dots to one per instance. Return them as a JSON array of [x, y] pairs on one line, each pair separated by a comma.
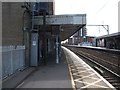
[[98, 12]]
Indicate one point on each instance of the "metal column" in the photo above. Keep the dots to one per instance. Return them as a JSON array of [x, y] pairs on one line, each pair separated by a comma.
[[58, 45], [57, 50], [45, 42]]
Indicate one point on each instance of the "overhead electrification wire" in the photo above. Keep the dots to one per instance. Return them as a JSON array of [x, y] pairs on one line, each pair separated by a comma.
[[104, 5]]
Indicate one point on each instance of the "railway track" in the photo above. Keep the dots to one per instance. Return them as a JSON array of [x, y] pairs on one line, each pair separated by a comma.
[[105, 64]]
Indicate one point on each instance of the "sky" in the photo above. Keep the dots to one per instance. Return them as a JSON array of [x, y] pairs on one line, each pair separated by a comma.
[[99, 12]]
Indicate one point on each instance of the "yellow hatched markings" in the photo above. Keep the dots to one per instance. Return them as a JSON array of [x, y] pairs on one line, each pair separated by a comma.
[[84, 77], [73, 69], [80, 67], [94, 83], [84, 71], [76, 73], [77, 67], [71, 66], [89, 84], [88, 76], [72, 80], [78, 70], [93, 78]]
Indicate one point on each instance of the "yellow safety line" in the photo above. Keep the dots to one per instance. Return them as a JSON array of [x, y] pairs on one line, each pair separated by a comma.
[[73, 69], [87, 77], [84, 77], [79, 72], [83, 82], [78, 65], [77, 80], [71, 66], [80, 75], [93, 84], [81, 68], [100, 86], [84, 71], [72, 80], [74, 74], [93, 78]]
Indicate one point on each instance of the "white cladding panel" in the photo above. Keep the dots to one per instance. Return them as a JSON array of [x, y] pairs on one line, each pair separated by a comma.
[[61, 19], [79, 19]]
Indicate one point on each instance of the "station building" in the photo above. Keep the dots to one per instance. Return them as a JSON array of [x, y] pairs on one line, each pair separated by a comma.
[[31, 30]]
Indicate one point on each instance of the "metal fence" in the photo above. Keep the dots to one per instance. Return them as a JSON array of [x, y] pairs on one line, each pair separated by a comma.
[[13, 59]]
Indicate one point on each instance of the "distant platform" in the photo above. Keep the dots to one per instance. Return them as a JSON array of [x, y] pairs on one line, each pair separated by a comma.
[[95, 48]]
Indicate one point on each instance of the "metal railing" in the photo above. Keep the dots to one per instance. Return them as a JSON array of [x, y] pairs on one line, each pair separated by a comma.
[[13, 59]]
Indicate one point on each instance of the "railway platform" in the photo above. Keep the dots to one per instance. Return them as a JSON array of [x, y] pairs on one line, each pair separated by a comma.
[[83, 75], [50, 76], [71, 73]]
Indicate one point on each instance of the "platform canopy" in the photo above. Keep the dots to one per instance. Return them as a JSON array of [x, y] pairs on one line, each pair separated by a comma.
[[69, 23]]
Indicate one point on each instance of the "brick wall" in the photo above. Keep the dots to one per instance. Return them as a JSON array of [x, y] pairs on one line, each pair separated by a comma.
[[12, 23]]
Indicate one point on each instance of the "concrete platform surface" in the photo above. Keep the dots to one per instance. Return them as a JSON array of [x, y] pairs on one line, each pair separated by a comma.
[[84, 76], [50, 76], [15, 79]]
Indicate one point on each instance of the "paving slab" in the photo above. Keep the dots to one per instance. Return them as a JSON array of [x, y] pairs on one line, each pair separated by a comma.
[[15, 79], [50, 76]]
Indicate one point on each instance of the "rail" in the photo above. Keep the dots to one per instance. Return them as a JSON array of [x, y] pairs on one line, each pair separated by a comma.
[[115, 51]]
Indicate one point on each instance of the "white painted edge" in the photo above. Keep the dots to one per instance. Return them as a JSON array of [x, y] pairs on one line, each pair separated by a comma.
[[91, 69]]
